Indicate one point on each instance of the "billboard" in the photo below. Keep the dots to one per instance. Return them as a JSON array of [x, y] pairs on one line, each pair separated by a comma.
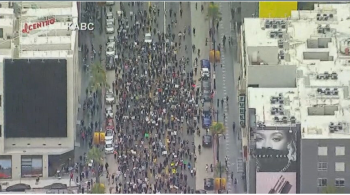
[[276, 9], [276, 150], [276, 183]]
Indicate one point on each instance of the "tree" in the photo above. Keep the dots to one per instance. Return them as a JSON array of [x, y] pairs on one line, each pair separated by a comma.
[[217, 128], [98, 189], [98, 79], [96, 156], [331, 190], [219, 169], [214, 15]]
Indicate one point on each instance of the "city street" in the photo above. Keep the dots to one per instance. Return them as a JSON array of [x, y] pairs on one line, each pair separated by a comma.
[[182, 36]]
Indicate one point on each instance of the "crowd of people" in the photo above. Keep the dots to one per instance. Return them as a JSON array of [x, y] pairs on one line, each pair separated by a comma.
[[157, 111], [156, 107]]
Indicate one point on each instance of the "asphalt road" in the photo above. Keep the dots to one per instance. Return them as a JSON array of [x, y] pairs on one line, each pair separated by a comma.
[[227, 77]]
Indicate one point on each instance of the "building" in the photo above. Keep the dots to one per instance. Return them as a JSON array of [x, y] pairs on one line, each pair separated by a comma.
[[297, 74], [39, 86]]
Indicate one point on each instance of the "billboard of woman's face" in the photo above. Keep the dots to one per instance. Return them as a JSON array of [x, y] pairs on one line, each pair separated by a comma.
[[275, 150], [277, 140]]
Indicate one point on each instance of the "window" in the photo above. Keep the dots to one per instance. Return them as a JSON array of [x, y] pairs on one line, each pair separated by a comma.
[[322, 166], [339, 182], [322, 151], [0, 131], [0, 100], [322, 182], [340, 151], [339, 166], [5, 167], [31, 166], [1, 33]]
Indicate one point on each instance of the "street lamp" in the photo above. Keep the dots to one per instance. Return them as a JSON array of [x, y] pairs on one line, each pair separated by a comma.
[[217, 115]]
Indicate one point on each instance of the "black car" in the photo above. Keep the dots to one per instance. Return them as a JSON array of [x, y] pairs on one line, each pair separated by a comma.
[[206, 85], [207, 141], [110, 64], [209, 184], [206, 96]]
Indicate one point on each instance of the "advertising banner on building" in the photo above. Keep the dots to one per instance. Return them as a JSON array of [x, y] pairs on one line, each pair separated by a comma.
[[276, 183], [276, 150]]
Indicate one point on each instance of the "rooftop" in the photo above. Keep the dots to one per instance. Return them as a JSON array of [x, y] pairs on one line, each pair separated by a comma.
[[318, 43]]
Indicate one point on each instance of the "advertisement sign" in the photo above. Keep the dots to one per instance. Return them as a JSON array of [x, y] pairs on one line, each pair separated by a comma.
[[276, 183]]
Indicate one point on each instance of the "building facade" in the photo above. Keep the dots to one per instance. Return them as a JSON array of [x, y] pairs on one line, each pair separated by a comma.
[[37, 31], [298, 75]]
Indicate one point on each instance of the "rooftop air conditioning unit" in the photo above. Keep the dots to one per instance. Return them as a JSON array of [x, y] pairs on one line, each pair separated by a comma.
[[293, 119], [280, 34], [280, 44], [276, 119], [272, 35], [334, 76], [283, 24], [274, 24], [267, 24], [327, 28], [320, 30], [340, 126], [335, 91], [320, 90], [327, 91], [285, 119], [330, 15], [326, 75]]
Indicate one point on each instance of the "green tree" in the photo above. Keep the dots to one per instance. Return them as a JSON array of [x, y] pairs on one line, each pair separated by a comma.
[[98, 189], [214, 15], [217, 128], [98, 80], [96, 156], [219, 169], [331, 190]]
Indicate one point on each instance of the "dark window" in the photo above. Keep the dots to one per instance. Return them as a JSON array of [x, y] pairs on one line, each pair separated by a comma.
[[1, 33], [32, 166], [322, 182], [5, 167], [0, 100], [0, 131], [339, 182]]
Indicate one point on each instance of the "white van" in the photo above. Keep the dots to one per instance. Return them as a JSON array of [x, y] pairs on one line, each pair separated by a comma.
[[109, 147], [110, 28]]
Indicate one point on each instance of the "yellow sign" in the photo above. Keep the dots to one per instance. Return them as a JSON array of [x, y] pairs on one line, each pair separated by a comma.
[[211, 56], [217, 183], [99, 137], [272, 9]]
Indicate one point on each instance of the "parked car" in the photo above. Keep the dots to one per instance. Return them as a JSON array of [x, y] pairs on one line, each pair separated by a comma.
[[109, 3], [207, 117], [206, 85], [109, 111], [111, 39], [110, 124], [110, 99], [209, 184], [110, 17], [206, 95], [110, 63], [148, 38], [207, 140], [109, 28], [205, 63], [109, 135], [110, 49], [109, 147]]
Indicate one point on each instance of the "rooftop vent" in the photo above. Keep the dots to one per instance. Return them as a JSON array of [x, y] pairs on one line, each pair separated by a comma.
[[272, 35], [330, 15], [334, 76], [283, 24], [285, 119], [276, 119], [293, 119], [267, 24]]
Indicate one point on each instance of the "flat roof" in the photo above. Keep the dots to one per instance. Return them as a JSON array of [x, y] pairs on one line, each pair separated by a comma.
[[44, 12], [35, 98], [257, 36], [321, 98]]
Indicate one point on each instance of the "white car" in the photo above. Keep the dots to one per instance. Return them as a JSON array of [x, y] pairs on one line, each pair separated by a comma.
[[110, 49], [205, 72], [110, 99], [111, 39], [109, 28], [110, 18], [109, 147], [109, 111], [148, 38], [109, 135]]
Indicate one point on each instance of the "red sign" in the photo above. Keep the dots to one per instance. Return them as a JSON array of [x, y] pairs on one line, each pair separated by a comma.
[[29, 27]]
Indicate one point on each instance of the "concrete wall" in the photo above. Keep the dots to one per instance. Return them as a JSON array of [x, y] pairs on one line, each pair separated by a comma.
[[266, 76], [2, 138], [310, 159], [323, 56], [266, 54]]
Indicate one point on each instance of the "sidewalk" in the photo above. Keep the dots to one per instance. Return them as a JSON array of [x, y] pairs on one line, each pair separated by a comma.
[[201, 25]]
